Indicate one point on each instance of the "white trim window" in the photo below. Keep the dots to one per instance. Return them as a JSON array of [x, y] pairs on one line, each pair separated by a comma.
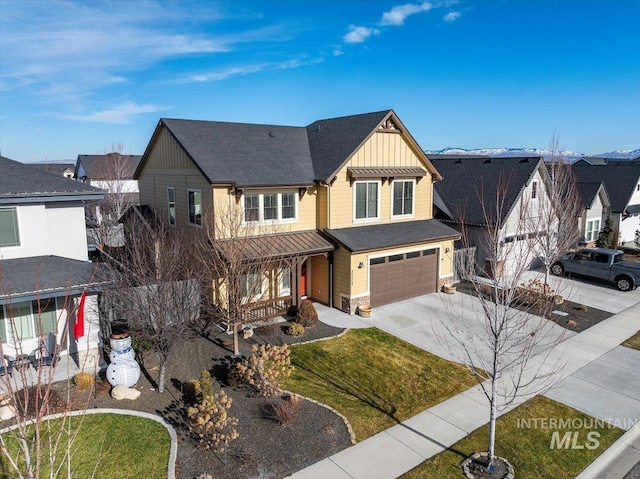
[[285, 281], [366, 201], [251, 284], [9, 232], [171, 205], [22, 321], [270, 207], [592, 230], [194, 200], [403, 198]]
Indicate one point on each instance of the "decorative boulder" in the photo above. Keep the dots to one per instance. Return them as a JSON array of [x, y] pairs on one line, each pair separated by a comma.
[[120, 392]]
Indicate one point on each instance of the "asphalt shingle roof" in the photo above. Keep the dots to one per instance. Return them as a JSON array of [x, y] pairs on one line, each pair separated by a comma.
[[587, 191], [471, 182], [332, 140], [47, 276], [619, 180], [246, 154], [18, 180], [97, 167], [369, 238]]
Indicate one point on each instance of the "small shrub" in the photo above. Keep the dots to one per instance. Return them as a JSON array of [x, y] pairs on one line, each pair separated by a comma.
[[102, 386], [264, 369], [284, 412], [139, 343], [295, 329], [582, 307], [535, 291], [211, 424], [191, 391], [83, 380], [206, 384], [307, 314]]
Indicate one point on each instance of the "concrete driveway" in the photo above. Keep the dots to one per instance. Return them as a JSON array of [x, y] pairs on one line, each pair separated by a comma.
[[429, 321], [595, 294]]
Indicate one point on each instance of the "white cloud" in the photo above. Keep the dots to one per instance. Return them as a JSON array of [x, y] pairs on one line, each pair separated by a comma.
[[241, 70], [359, 34], [119, 114], [451, 16], [397, 15], [337, 52]]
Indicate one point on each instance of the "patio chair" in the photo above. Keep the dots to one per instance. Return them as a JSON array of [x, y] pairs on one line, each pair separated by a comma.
[[6, 366], [48, 352]]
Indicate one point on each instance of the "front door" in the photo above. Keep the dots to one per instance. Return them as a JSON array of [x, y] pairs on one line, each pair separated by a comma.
[[303, 279]]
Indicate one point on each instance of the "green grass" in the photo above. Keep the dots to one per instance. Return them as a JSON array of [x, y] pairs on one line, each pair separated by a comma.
[[373, 378], [633, 341], [121, 446], [528, 449]]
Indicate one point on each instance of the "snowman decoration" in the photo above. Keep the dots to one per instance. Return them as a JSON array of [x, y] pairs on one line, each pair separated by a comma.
[[123, 369]]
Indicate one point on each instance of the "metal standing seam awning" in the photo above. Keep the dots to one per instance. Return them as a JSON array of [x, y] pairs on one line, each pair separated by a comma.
[[356, 173], [283, 245]]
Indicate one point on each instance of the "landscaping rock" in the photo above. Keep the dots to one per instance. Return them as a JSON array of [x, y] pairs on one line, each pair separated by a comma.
[[120, 392], [6, 413]]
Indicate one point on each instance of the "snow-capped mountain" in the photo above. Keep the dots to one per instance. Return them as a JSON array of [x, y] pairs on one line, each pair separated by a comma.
[[570, 156]]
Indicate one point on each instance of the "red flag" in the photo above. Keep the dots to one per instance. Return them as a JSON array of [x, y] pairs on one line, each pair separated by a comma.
[[78, 329]]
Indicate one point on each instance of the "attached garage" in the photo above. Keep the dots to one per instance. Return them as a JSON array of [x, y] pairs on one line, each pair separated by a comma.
[[403, 276]]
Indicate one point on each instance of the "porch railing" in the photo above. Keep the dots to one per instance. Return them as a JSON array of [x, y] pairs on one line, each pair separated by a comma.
[[266, 309]]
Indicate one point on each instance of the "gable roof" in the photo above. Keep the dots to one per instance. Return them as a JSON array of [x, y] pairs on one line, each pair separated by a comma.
[[470, 182], [98, 167], [620, 181], [588, 191], [19, 181], [250, 155], [57, 168]]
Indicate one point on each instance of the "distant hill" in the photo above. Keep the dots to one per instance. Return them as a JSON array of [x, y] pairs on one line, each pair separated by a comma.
[[570, 156]]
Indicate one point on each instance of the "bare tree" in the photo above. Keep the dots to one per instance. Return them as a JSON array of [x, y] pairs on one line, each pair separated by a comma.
[[496, 335], [30, 444], [114, 176], [158, 291], [244, 267], [555, 217]]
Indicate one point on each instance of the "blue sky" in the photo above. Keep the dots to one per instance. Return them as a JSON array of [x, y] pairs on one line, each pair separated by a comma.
[[77, 77]]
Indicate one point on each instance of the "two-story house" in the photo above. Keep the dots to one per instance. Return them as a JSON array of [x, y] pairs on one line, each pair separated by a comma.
[[499, 204], [350, 199], [44, 267], [622, 182], [594, 208]]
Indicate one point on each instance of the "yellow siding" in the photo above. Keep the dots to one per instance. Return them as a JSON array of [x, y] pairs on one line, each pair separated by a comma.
[[381, 150], [321, 207], [341, 274], [319, 279], [169, 166]]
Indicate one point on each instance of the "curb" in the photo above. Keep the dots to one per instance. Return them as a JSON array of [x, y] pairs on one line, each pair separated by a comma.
[[173, 451], [612, 454]]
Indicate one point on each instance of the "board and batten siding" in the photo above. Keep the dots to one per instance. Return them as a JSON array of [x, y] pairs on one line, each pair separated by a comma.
[[319, 287], [381, 150]]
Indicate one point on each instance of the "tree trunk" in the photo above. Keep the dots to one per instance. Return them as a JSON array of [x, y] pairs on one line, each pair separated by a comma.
[[163, 368], [492, 426], [236, 344]]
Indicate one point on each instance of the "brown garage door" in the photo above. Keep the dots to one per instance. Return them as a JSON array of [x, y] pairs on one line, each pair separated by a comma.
[[403, 276]]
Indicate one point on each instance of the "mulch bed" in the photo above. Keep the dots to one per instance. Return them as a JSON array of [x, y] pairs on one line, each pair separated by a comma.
[[265, 449], [579, 317]]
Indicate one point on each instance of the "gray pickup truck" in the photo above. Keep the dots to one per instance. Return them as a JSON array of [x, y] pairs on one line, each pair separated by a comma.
[[600, 263]]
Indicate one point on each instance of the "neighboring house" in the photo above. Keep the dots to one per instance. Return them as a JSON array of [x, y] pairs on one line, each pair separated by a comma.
[[466, 198], [351, 199], [605, 160], [112, 173], [622, 183], [62, 169], [595, 206], [43, 262]]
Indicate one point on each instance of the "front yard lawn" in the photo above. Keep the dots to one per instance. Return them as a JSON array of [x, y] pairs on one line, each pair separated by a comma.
[[527, 447], [109, 445], [374, 379], [633, 341]]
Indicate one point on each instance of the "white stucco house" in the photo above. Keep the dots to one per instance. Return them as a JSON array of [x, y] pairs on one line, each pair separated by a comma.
[[44, 265]]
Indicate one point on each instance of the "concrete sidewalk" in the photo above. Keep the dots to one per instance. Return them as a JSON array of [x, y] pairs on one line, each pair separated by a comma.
[[400, 448]]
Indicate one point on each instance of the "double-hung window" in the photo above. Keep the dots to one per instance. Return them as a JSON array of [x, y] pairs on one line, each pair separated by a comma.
[[9, 234], [25, 320], [251, 284], [403, 195], [195, 207], [592, 230], [171, 205], [270, 207], [366, 200]]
